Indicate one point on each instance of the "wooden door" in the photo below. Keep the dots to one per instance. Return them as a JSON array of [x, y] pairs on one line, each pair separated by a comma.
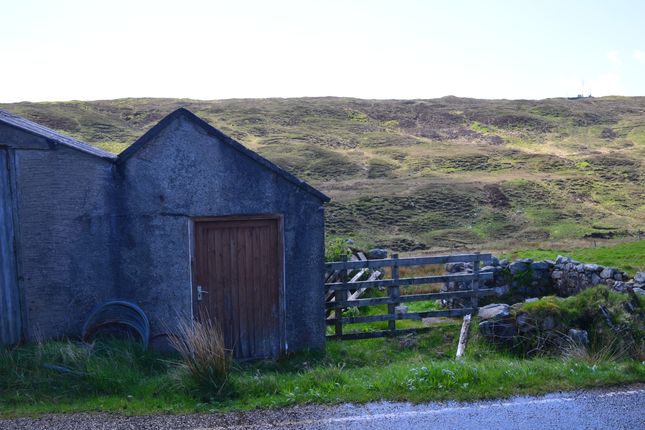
[[10, 317], [238, 266]]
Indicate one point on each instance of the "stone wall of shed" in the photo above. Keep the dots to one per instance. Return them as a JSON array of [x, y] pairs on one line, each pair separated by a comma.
[[184, 173], [64, 201]]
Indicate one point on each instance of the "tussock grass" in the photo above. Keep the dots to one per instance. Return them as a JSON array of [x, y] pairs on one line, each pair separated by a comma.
[[205, 360]]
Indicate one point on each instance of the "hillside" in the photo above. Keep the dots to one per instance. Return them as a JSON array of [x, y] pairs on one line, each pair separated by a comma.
[[417, 174]]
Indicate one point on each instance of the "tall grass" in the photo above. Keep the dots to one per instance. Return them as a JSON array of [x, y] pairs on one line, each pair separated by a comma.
[[205, 361]]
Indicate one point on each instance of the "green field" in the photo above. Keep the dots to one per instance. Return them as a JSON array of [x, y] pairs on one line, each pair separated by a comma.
[[629, 256], [425, 174]]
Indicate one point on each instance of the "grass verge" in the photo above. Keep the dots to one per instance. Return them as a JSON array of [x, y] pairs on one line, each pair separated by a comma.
[[123, 378]]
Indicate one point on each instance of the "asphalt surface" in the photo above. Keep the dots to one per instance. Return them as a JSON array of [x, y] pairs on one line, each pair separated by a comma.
[[621, 408]]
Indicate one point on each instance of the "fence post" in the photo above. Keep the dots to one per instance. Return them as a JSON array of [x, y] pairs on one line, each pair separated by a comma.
[[474, 298], [341, 296], [394, 292]]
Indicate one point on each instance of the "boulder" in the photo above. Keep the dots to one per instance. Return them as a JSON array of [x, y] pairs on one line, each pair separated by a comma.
[[494, 261], [640, 277], [593, 267], [457, 267], [495, 311], [518, 266], [579, 337], [502, 290], [620, 286], [548, 323], [497, 331], [556, 274], [607, 273], [401, 310], [639, 291], [540, 265], [562, 259], [377, 254]]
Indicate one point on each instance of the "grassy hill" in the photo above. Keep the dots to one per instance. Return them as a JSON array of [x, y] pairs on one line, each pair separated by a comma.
[[420, 174]]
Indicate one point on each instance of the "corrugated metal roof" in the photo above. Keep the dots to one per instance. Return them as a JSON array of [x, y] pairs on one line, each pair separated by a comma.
[[51, 135]]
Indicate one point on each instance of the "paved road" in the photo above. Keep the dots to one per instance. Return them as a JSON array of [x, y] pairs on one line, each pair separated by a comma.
[[600, 409]]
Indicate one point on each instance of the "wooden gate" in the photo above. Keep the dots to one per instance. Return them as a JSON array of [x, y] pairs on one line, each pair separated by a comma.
[[10, 323], [238, 282]]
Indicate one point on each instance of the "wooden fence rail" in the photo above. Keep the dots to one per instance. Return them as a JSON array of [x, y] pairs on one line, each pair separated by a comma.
[[339, 293]]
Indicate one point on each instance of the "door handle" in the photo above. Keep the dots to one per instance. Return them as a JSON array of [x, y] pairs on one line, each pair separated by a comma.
[[200, 293]]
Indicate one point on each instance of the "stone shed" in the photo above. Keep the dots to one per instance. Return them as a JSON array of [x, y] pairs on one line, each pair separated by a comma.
[[186, 223]]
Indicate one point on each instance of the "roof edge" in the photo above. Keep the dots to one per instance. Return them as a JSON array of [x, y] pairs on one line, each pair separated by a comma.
[[212, 131], [32, 128]]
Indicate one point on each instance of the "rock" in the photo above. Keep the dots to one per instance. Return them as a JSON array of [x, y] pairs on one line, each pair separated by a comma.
[[540, 265], [489, 269], [579, 337], [580, 268], [640, 277], [619, 286], [525, 260], [408, 341], [377, 254], [556, 274], [522, 319], [562, 260], [618, 276], [497, 331], [595, 279], [548, 323], [593, 267], [494, 311], [639, 291], [401, 309], [504, 263], [502, 290], [518, 266], [455, 267], [531, 300], [607, 273], [494, 261]]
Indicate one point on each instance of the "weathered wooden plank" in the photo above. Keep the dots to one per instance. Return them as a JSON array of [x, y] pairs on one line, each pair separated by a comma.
[[338, 286], [409, 298], [356, 294], [407, 316], [474, 299], [411, 261], [341, 296], [463, 336], [394, 292], [381, 333]]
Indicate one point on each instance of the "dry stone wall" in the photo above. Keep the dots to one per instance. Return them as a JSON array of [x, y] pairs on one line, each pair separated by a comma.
[[525, 278]]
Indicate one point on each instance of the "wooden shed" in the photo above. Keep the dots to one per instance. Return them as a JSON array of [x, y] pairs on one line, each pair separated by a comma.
[[185, 222]]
